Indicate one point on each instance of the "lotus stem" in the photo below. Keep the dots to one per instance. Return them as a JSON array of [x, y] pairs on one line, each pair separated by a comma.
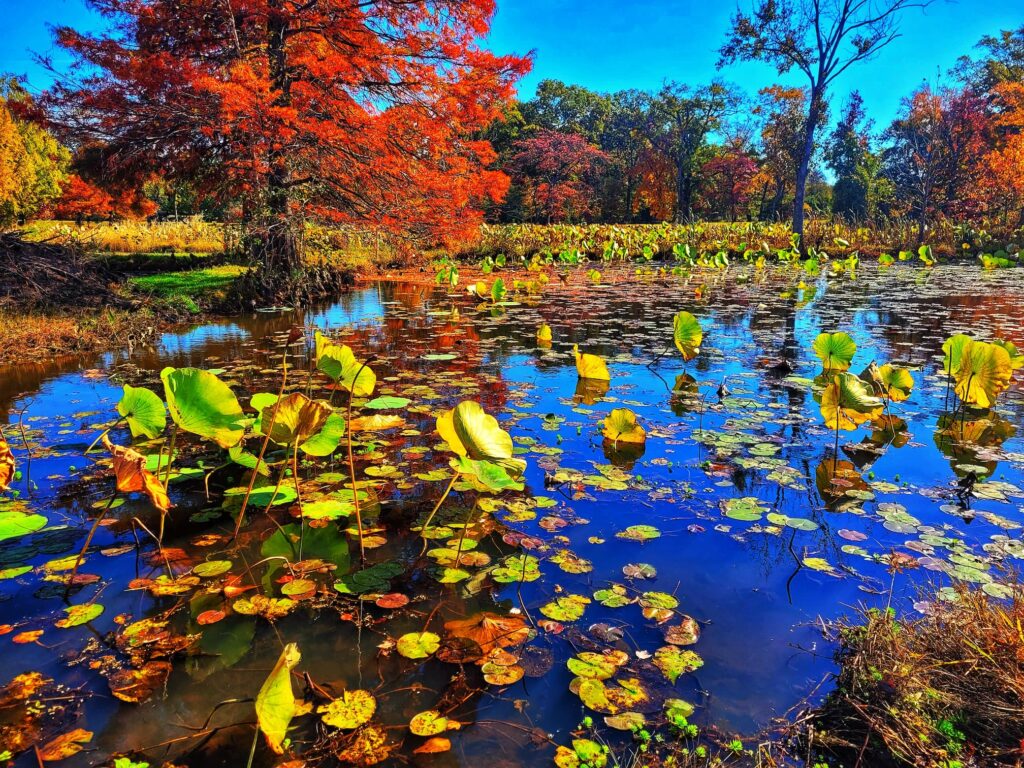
[[88, 541], [440, 501], [170, 459], [298, 495], [352, 463], [105, 432], [263, 447]]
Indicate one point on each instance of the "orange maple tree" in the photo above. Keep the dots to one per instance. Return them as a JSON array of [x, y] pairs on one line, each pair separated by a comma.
[[345, 110]]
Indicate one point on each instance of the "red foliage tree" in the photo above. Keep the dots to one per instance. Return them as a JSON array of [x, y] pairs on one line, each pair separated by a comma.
[[729, 183], [81, 200], [351, 111], [558, 173]]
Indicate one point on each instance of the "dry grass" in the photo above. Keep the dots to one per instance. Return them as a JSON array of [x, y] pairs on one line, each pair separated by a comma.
[[132, 237], [31, 337], [943, 690]]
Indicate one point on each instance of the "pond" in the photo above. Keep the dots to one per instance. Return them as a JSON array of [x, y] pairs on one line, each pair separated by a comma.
[[728, 536]]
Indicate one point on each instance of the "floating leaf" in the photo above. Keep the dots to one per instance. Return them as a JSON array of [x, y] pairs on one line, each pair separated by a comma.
[[565, 607], [80, 614], [639, 533], [65, 745], [746, 509], [584, 754], [674, 662], [429, 723], [14, 524], [418, 645], [350, 710], [490, 630]]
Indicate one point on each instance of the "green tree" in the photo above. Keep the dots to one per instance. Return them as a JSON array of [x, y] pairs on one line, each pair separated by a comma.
[[682, 119], [1002, 61]]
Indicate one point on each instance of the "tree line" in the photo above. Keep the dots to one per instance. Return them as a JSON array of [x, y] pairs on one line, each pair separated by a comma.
[[393, 115], [712, 152]]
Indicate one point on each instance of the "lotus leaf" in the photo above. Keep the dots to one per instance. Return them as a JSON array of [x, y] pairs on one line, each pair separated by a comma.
[[143, 410], [275, 702], [984, 372], [835, 350], [204, 405], [621, 426], [590, 366], [687, 334]]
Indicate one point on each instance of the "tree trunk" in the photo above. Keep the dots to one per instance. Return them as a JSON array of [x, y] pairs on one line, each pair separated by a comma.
[[277, 239], [804, 167]]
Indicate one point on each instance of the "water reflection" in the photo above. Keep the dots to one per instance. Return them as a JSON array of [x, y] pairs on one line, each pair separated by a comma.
[[760, 435]]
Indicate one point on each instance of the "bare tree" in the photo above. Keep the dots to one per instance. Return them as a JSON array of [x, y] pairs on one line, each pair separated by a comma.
[[822, 39]]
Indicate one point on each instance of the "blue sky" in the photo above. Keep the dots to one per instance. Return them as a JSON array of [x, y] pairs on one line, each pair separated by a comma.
[[613, 44]]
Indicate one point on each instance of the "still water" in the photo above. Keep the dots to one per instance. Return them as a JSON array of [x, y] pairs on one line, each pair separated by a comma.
[[739, 421]]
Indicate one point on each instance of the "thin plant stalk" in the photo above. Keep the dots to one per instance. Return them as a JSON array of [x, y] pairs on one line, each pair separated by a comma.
[[352, 463], [88, 541], [263, 447]]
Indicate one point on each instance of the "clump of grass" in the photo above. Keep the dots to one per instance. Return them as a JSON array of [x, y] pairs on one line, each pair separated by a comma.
[[945, 690], [191, 289]]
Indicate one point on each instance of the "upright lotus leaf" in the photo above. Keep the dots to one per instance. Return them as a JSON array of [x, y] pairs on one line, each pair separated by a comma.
[[688, 335], [544, 335], [295, 418], [490, 476], [204, 405], [1016, 358], [896, 382], [835, 350], [471, 432], [498, 290], [590, 366], [6, 464], [985, 370], [953, 350], [131, 475], [847, 402], [339, 362], [275, 703], [326, 441], [143, 410], [621, 426]]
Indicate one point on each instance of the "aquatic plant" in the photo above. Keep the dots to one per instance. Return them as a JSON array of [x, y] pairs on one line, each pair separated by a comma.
[[590, 366]]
